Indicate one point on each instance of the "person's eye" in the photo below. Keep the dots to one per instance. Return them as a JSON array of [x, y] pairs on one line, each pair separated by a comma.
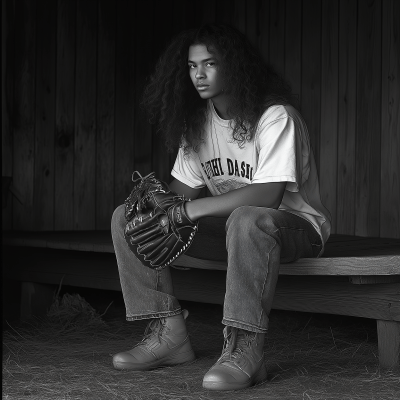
[[211, 64], [191, 66]]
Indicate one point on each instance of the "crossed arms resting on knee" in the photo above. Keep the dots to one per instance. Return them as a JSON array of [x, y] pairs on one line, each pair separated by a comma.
[[258, 194]]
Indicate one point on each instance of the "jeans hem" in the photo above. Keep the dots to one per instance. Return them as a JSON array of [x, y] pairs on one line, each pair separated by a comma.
[[162, 314], [243, 325]]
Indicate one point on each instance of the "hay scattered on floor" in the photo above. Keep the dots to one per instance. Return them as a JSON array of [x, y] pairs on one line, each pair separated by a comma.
[[73, 311], [67, 355]]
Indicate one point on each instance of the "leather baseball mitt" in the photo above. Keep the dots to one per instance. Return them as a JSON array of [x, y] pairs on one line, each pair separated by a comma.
[[158, 230]]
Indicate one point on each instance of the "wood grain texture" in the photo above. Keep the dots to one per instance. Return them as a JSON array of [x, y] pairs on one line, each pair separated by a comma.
[[105, 114], [390, 134], [307, 294], [329, 107], [43, 199], [264, 34], [160, 157], [344, 266], [373, 279], [277, 35], [7, 16], [73, 269], [346, 163], [368, 189], [85, 116], [208, 12], [367, 301], [178, 15], [145, 56], [252, 21], [301, 295], [24, 112], [346, 258], [311, 72], [239, 15], [124, 101], [7, 100], [388, 343], [368, 155], [224, 11], [292, 46], [65, 116]]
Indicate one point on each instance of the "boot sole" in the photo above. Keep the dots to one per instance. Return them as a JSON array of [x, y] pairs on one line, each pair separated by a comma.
[[181, 355], [260, 376]]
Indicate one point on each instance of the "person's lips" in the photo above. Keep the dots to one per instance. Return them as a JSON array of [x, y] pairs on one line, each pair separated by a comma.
[[202, 86]]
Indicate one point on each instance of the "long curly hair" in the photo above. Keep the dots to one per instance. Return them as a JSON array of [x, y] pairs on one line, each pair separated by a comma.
[[174, 105]]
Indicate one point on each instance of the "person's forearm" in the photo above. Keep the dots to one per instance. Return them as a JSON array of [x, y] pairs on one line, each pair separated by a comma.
[[259, 194]]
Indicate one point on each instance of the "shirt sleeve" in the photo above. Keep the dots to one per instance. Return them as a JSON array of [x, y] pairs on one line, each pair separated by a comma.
[[187, 170], [279, 147]]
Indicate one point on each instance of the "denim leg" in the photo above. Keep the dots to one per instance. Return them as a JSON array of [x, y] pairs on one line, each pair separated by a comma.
[[147, 293], [258, 240]]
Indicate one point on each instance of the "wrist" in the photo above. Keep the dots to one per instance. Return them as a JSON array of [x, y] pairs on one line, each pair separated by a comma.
[[190, 209]]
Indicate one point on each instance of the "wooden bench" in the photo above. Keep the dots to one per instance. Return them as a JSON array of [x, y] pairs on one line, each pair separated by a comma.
[[355, 277]]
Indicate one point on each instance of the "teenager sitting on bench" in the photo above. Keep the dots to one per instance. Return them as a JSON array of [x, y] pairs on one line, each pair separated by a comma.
[[238, 134]]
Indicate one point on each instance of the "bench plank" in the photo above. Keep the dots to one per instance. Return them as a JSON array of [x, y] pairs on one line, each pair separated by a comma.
[[86, 259], [345, 266], [333, 294], [344, 255], [306, 294]]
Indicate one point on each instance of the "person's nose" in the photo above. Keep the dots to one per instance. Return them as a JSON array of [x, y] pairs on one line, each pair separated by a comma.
[[200, 73]]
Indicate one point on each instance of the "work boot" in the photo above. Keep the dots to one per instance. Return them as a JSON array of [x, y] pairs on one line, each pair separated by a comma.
[[241, 364], [165, 343]]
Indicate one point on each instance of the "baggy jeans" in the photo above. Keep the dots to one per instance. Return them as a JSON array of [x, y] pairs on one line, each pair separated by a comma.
[[258, 240]]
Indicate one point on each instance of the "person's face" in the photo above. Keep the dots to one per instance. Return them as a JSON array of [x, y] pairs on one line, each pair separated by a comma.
[[204, 72]]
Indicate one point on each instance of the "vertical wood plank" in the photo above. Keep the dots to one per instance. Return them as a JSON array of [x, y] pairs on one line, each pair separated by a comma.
[[252, 27], [329, 107], [105, 114], [311, 72], [43, 200], [224, 11], [65, 116], [292, 45], [160, 157], [179, 19], [390, 134], [7, 79], [345, 212], [277, 35], [24, 112], [239, 15], [192, 15], [7, 47], [124, 101], [368, 118], [388, 343], [85, 116], [208, 12], [263, 22], [144, 28], [179, 25]]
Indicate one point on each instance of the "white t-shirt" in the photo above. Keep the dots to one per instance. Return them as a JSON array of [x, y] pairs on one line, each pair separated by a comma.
[[280, 151]]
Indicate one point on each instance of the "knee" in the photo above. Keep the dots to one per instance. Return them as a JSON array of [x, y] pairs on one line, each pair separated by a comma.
[[118, 218], [247, 219]]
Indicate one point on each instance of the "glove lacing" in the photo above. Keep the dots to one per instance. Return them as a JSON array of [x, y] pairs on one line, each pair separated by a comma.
[[141, 188]]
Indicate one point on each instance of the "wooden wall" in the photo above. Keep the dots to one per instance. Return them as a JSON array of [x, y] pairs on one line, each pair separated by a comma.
[[72, 74]]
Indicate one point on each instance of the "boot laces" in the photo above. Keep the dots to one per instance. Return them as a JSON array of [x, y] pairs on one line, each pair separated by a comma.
[[236, 343], [154, 330]]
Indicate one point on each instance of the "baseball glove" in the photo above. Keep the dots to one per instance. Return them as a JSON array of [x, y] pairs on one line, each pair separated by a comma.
[[158, 230]]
